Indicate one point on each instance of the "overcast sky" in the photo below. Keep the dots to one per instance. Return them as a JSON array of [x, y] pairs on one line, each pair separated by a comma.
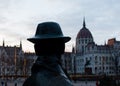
[[19, 19]]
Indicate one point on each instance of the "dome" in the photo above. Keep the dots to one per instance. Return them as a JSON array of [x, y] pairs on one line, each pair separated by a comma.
[[84, 32]]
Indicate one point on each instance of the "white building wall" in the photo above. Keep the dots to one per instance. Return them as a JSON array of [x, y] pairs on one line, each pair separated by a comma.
[[99, 62], [79, 64], [81, 44]]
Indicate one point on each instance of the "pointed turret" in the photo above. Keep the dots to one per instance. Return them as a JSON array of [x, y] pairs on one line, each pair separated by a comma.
[[73, 49], [84, 24], [105, 43], [3, 43], [20, 44]]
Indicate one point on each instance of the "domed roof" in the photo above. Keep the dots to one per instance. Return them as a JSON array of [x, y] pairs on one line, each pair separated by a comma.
[[84, 32]]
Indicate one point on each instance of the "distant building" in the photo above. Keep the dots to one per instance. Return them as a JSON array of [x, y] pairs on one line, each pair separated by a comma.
[[29, 59], [90, 58], [13, 60], [67, 60]]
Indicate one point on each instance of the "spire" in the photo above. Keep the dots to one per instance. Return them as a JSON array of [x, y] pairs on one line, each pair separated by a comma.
[[20, 44], [73, 49], [3, 43], [105, 43], [84, 25]]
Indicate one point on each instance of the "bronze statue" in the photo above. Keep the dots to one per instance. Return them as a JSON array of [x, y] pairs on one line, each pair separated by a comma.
[[49, 44]]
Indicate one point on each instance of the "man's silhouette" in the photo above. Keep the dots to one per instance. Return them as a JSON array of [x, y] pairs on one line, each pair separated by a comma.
[[49, 44]]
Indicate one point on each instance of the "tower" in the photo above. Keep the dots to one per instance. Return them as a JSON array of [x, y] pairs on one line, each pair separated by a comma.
[[84, 37]]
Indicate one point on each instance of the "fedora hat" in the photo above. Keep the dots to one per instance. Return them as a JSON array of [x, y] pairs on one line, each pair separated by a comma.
[[48, 30]]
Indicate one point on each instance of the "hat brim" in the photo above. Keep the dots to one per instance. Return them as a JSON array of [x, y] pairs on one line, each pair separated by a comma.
[[36, 39]]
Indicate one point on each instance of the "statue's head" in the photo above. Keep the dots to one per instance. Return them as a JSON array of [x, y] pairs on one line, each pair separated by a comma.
[[49, 39]]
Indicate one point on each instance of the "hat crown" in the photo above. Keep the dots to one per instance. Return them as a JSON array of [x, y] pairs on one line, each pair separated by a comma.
[[48, 29]]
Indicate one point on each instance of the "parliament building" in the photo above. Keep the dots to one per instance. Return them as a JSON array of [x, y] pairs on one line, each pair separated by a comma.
[[89, 58]]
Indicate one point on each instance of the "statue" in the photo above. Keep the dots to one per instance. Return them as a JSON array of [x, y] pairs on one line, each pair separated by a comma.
[[49, 44]]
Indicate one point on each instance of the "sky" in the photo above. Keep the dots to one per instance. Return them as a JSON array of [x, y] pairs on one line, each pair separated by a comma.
[[19, 19]]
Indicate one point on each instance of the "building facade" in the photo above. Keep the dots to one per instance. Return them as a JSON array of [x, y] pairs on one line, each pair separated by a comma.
[[14, 61], [90, 58]]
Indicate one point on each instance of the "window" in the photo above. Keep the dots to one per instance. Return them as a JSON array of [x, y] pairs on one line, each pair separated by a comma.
[[82, 48], [85, 40], [79, 41], [82, 41], [106, 58], [100, 58], [95, 58], [100, 68], [106, 68]]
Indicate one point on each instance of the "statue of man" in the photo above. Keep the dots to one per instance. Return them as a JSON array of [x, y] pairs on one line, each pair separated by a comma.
[[49, 44]]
